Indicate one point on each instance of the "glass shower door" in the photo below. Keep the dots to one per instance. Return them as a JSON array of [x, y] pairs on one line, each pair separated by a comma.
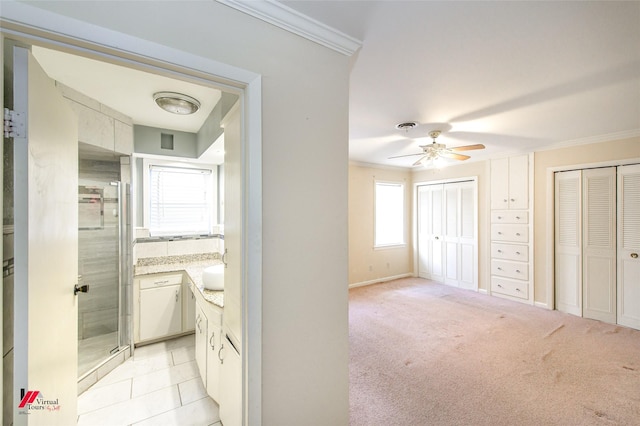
[[99, 266]]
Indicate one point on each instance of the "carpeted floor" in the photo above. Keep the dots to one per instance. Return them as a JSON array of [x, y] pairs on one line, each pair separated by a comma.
[[422, 353]]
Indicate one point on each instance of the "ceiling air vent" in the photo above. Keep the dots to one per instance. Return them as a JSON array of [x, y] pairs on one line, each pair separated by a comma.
[[407, 125]]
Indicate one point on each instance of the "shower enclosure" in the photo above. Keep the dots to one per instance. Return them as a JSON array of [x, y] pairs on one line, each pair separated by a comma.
[[103, 259]]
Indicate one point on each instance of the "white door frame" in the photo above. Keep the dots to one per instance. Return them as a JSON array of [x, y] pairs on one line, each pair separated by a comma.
[[473, 179], [551, 211], [37, 26]]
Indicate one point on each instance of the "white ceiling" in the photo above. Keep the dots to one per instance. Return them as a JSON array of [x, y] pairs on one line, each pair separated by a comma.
[[514, 76]]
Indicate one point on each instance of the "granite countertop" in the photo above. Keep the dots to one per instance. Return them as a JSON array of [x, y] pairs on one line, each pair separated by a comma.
[[194, 271]]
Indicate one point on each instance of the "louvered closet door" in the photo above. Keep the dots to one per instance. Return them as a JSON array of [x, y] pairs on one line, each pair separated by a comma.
[[629, 246], [599, 244], [568, 242]]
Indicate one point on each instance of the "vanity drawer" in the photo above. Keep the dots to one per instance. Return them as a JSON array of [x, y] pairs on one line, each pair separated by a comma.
[[510, 288], [160, 280], [510, 252], [513, 233], [505, 268], [509, 216]]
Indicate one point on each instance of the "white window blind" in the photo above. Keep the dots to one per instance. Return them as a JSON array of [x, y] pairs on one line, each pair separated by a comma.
[[389, 214], [180, 201]]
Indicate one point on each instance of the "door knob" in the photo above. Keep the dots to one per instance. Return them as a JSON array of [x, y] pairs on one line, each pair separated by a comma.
[[437, 238], [634, 255]]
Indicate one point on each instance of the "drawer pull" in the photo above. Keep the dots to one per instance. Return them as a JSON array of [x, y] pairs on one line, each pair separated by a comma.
[[500, 285], [499, 268], [517, 289], [518, 253], [211, 343], [512, 200], [517, 271], [634, 255], [505, 200], [499, 251], [518, 234], [499, 217], [499, 233], [518, 217]]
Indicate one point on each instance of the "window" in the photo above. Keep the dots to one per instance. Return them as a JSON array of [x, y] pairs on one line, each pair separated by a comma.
[[181, 200], [389, 214]]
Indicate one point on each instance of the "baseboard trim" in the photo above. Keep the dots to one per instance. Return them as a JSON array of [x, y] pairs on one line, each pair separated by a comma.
[[483, 291], [542, 305], [379, 280]]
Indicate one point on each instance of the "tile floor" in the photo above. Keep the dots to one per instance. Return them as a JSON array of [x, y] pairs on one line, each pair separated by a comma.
[[159, 385]]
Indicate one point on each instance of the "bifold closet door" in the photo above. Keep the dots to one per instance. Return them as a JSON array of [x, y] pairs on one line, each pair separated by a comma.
[[568, 241], [459, 235], [629, 246], [599, 244], [430, 230], [447, 242]]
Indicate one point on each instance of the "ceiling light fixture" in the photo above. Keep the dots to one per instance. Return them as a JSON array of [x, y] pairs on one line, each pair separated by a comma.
[[176, 103]]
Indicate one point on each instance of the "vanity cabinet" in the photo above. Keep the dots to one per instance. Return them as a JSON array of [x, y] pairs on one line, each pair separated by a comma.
[[208, 323], [201, 343], [161, 306]]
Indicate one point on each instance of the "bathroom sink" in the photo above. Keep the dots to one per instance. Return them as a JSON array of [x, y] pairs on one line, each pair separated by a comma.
[[213, 277]]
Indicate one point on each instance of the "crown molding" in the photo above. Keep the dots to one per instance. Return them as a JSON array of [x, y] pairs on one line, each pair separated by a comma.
[[610, 137], [288, 19]]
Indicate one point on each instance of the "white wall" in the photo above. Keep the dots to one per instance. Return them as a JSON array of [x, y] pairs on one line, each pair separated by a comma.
[[304, 144], [366, 264]]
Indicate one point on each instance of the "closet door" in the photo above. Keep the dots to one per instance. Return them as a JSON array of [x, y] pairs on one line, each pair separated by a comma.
[[629, 246], [451, 236], [568, 242], [430, 232], [467, 243], [599, 244]]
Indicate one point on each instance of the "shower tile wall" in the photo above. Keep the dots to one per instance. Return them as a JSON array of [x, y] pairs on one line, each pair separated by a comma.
[[98, 257]]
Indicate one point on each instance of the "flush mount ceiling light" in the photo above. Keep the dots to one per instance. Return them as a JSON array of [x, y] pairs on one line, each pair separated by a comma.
[[176, 103]]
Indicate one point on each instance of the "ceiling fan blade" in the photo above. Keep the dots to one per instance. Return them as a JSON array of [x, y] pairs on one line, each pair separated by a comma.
[[453, 155], [407, 155], [417, 163], [467, 147]]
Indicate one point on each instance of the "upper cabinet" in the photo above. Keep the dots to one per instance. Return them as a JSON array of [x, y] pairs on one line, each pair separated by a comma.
[[510, 183]]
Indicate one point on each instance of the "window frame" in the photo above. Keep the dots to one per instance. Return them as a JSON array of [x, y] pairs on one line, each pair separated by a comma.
[[403, 232]]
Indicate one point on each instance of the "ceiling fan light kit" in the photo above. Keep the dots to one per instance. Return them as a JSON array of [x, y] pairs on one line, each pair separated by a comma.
[[435, 153]]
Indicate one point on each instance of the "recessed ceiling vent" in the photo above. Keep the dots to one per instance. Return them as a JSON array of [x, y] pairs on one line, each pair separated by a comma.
[[407, 125]]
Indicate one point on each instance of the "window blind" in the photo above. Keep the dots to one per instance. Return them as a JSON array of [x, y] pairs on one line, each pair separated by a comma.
[[180, 201]]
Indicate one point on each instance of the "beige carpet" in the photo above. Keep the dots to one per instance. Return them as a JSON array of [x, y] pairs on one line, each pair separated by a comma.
[[427, 354]]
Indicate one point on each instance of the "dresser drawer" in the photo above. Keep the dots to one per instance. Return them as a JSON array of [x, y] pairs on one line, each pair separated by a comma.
[[509, 216], [510, 252], [505, 268], [513, 233], [509, 287]]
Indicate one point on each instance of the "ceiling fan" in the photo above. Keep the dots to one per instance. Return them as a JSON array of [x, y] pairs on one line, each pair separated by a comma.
[[436, 151]]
